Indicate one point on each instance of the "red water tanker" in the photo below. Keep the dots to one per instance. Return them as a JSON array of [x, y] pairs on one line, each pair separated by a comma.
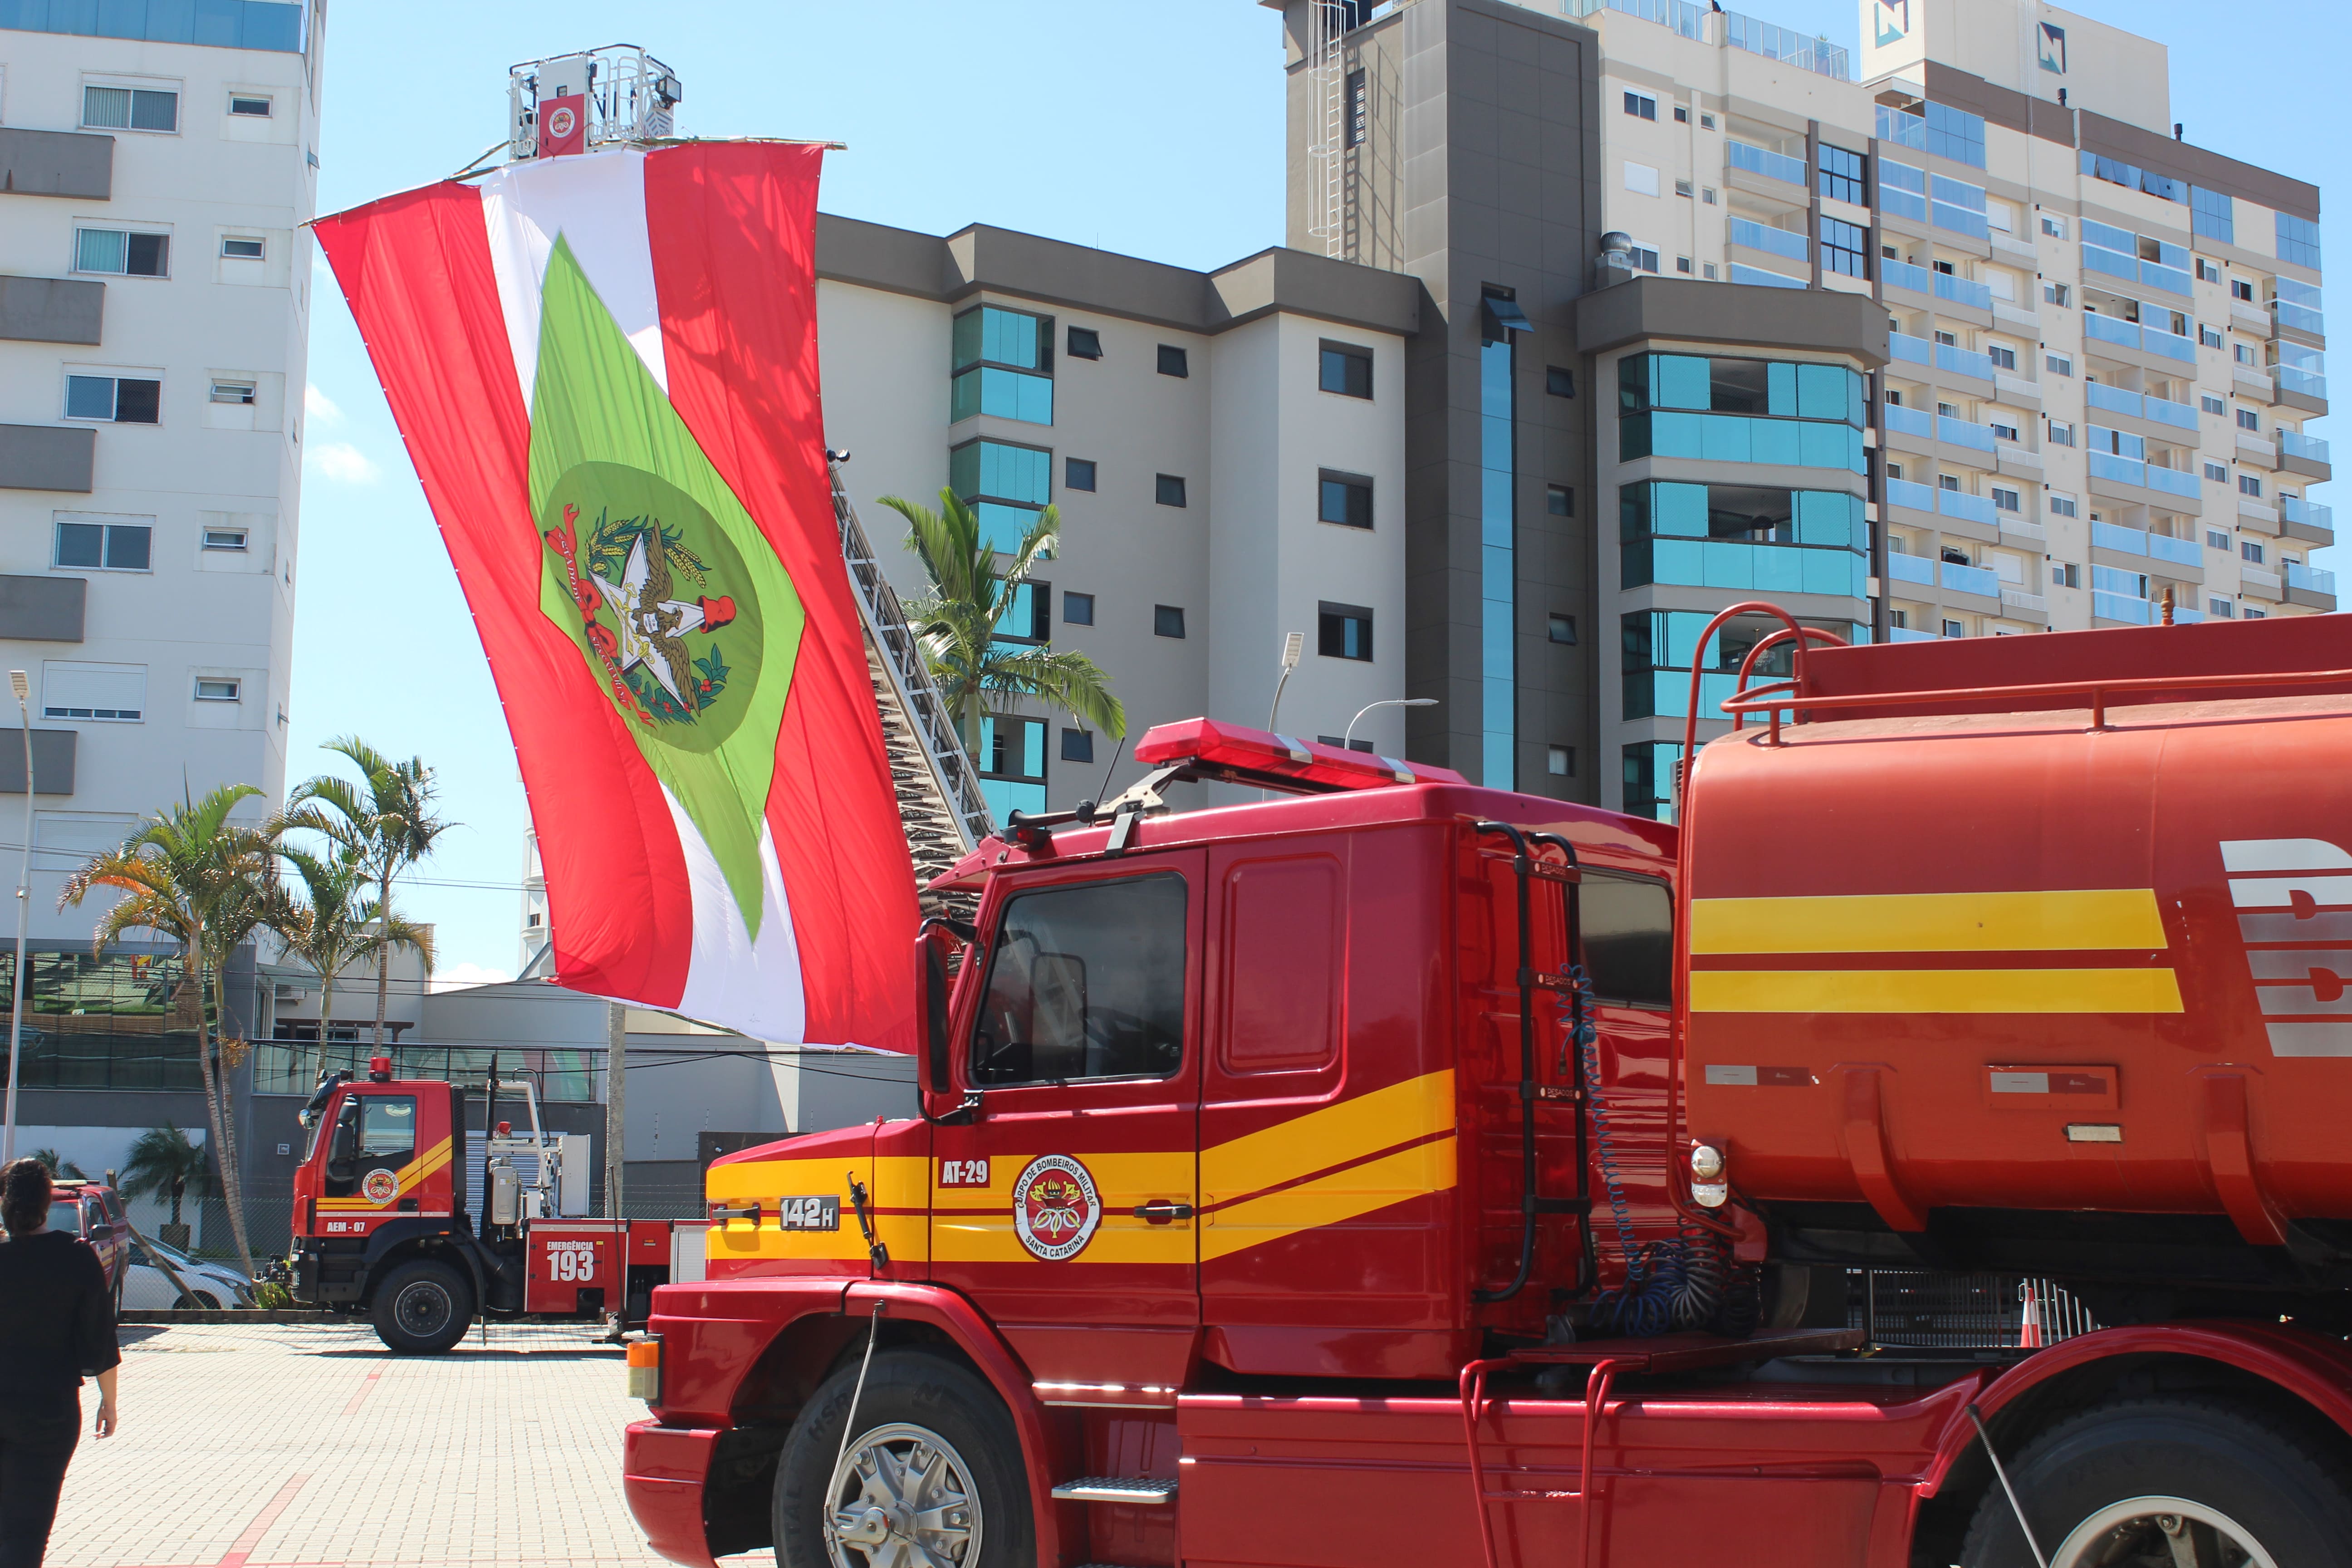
[[1406, 1171]]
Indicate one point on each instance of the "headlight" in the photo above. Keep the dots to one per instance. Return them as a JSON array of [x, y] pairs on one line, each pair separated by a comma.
[[1710, 1181]]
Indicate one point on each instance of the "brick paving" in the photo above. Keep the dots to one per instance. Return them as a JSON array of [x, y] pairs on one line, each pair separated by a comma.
[[309, 1446]]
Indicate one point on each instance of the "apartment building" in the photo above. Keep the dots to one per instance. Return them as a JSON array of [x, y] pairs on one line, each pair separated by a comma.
[[157, 164], [1969, 340]]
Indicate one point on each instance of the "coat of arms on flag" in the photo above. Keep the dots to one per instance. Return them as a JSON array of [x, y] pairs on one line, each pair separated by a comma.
[[605, 367]]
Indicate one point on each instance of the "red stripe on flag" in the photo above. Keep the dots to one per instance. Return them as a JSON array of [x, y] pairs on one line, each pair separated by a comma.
[[733, 228], [416, 270]]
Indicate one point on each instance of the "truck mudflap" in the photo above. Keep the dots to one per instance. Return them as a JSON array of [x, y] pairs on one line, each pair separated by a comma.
[[662, 1474]]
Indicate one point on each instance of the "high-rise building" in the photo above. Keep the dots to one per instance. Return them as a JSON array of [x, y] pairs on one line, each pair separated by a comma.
[[157, 164], [1971, 342]]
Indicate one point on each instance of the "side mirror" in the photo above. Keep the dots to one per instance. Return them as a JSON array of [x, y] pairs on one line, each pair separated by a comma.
[[934, 989]]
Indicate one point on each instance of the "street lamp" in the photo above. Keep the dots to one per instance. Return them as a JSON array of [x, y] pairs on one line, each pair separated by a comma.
[[1293, 645], [23, 688], [1384, 703]]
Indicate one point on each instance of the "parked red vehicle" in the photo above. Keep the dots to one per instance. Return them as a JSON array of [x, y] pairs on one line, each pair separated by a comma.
[[1407, 1172], [93, 1211]]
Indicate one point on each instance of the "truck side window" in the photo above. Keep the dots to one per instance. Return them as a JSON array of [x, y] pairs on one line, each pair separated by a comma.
[[1085, 981], [385, 1136], [1629, 939]]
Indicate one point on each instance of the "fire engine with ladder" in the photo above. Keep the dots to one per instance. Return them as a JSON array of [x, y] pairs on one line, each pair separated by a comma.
[[1386, 1170]]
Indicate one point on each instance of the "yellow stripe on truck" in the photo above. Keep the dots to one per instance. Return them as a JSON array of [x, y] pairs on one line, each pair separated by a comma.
[[1934, 991], [1364, 1124], [2057, 920]]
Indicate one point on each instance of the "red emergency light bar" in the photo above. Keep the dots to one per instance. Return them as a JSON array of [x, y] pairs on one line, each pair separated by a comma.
[[379, 1069], [1262, 756]]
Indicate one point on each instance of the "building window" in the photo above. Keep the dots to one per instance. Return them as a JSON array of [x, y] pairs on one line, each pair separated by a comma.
[[1077, 746], [2058, 365], [2240, 289], [2217, 539], [225, 539], [2221, 607], [1174, 361], [1560, 500], [217, 688], [1682, 264], [1078, 474], [1344, 498], [1706, 270], [2210, 338], [1558, 381], [1706, 195], [1845, 248], [1002, 363], [2207, 272], [1079, 609], [1947, 482], [1645, 257], [1641, 106], [1498, 539], [1685, 189], [241, 248], [116, 693], [2248, 420], [1029, 617], [1346, 370], [1168, 620], [2251, 614], [122, 252], [1343, 631], [124, 400], [130, 108], [2217, 473], [2298, 240], [1640, 179], [1168, 489], [2056, 227], [2250, 551], [2066, 575], [2006, 499], [1705, 122], [234, 392], [1011, 763], [2210, 403], [2249, 486], [2056, 293], [1682, 115], [1956, 629], [1007, 484], [1560, 762], [1843, 176], [2002, 432], [2061, 433], [104, 546], [249, 105], [1085, 343], [1563, 630], [2002, 358]]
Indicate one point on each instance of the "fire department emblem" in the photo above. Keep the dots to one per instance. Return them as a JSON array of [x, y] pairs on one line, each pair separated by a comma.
[[1054, 1207], [562, 120], [380, 1186]]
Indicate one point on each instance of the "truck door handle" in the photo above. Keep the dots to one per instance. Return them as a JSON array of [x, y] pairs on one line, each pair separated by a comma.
[[1160, 1211]]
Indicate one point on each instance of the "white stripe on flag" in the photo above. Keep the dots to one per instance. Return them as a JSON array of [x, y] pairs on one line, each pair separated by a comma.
[[755, 986], [597, 200]]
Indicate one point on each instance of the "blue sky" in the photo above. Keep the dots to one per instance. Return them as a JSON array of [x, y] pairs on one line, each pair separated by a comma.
[[1153, 130]]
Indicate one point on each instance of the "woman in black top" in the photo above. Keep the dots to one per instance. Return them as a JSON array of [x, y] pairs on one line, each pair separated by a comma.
[[57, 1324]]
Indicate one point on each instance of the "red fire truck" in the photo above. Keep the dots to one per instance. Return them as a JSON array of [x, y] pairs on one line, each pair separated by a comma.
[[382, 1224], [1404, 1172]]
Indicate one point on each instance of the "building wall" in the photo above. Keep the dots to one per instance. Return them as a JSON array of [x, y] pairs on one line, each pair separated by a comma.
[[191, 612]]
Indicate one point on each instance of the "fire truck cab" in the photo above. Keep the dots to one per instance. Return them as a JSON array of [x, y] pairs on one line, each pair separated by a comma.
[[1403, 1171]]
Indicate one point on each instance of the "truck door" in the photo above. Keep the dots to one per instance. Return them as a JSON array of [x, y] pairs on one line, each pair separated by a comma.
[[1064, 1208]]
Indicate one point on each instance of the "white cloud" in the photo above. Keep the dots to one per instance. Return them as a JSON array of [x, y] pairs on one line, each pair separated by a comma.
[[458, 977], [321, 407], [345, 463]]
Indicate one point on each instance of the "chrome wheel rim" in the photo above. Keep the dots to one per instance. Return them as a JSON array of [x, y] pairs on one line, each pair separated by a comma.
[[2161, 1533], [902, 1498], [423, 1309]]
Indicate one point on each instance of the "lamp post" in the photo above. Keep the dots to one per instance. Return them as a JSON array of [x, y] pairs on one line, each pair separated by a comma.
[[1293, 645], [1384, 703], [23, 688]]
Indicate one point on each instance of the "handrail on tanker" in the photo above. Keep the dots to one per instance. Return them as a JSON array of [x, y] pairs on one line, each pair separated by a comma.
[[1792, 695]]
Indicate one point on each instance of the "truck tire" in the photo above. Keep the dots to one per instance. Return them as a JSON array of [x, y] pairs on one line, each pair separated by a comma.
[[422, 1307], [966, 1498], [2161, 1481]]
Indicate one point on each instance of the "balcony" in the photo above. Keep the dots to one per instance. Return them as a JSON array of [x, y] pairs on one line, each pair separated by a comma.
[[1961, 432], [1978, 580], [2300, 384], [1771, 165], [47, 457], [53, 760], [2016, 527], [1903, 420], [2310, 587], [42, 609], [1978, 510], [1773, 241], [1917, 496], [1963, 291], [2155, 341], [1963, 362], [2121, 607], [1907, 275], [56, 164], [2019, 599], [2180, 552], [2309, 520], [2258, 583], [2114, 263], [2253, 450], [2110, 330], [1910, 350], [2115, 536], [2249, 317], [2301, 317], [2173, 482], [2121, 471], [51, 309], [2310, 448], [1909, 633], [2257, 516], [2180, 415], [2248, 382], [1917, 569], [2113, 399]]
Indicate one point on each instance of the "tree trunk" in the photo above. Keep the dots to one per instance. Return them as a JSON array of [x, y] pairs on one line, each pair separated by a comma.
[[177, 1188], [231, 1177], [383, 953], [326, 1015], [217, 1113]]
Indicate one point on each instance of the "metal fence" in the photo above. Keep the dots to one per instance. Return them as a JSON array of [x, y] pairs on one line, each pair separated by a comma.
[[1962, 1311]]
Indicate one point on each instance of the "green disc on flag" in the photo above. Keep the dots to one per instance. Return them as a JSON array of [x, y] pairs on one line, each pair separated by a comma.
[[686, 620]]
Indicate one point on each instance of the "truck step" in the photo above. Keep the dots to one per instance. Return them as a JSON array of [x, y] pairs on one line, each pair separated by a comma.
[[1118, 1489]]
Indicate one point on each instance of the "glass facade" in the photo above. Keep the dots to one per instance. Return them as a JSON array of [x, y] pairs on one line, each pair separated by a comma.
[[292, 1067], [1650, 778], [1743, 537], [1497, 542], [1660, 645], [1740, 411], [1004, 365], [221, 24], [1006, 485], [1011, 763], [101, 1022]]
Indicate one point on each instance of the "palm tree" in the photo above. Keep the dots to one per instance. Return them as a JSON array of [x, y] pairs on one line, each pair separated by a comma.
[[192, 875], [386, 822], [337, 924], [57, 1167], [163, 1162], [970, 596]]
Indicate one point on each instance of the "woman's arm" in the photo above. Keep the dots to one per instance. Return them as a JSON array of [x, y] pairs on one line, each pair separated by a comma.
[[108, 1420]]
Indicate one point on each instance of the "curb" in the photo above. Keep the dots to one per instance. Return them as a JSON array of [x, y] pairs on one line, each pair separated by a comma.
[[230, 1315]]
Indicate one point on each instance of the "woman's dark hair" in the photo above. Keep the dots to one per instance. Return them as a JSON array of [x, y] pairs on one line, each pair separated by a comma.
[[25, 1188]]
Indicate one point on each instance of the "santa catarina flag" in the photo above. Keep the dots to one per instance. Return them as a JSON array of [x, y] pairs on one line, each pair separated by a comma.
[[605, 370]]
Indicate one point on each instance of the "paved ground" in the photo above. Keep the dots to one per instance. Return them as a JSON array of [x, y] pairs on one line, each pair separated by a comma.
[[273, 1445]]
